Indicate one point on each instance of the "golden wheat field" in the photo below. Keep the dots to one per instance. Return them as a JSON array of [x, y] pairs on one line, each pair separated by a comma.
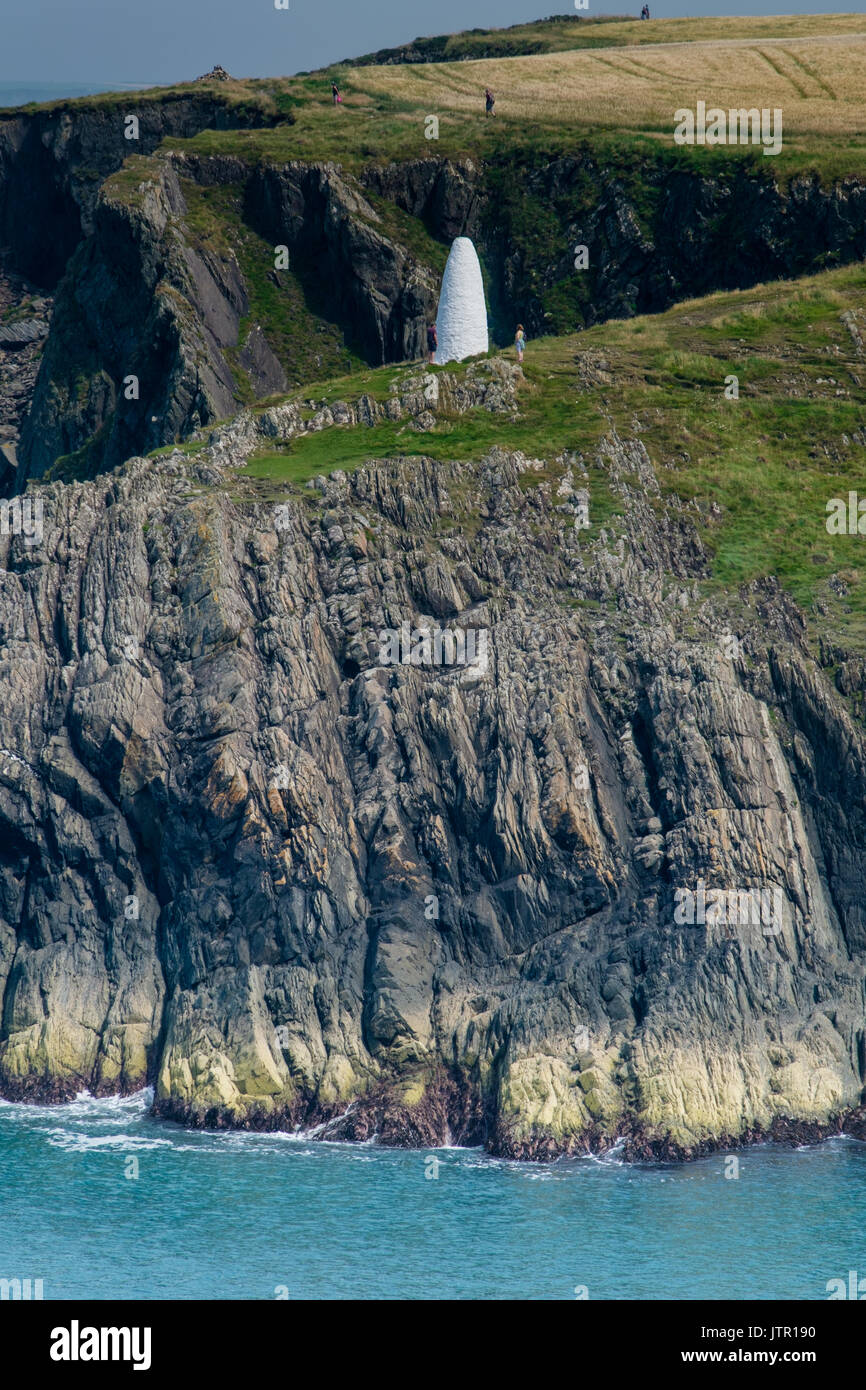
[[817, 79]]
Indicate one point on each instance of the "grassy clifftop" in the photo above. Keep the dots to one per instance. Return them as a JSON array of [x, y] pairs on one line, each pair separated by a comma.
[[756, 471], [559, 33], [558, 82], [262, 97], [623, 93]]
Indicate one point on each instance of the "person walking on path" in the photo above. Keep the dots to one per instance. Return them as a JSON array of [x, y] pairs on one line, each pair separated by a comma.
[[520, 342], [489, 100], [432, 341], [336, 94]]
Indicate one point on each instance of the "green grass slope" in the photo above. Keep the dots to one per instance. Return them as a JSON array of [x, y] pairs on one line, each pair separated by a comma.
[[755, 473]]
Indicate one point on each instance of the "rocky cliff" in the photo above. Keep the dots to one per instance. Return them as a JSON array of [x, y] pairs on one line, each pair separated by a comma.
[[585, 872], [248, 857], [152, 334], [135, 352], [656, 229], [180, 305], [54, 159]]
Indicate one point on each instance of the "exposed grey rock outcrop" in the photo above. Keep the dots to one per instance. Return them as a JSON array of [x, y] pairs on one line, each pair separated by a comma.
[[21, 333], [246, 857], [370, 282], [24, 321]]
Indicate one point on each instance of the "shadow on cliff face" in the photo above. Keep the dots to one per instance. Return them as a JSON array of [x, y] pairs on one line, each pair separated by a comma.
[[655, 230], [564, 243], [53, 162], [351, 272]]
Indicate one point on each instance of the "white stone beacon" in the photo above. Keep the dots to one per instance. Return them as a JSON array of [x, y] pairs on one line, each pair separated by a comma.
[[461, 323]]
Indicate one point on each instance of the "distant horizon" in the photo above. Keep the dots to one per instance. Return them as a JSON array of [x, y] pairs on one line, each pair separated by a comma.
[[86, 82], [22, 93], [48, 36]]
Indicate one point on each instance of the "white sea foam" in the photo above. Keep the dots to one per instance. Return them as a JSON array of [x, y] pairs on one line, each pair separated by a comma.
[[612, 1157], [85, 1107], [73, 1141], [320, 1130]]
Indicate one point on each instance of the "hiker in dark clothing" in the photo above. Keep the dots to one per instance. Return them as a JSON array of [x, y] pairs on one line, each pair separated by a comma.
[[489, 99], [336, 94], [432, 341]]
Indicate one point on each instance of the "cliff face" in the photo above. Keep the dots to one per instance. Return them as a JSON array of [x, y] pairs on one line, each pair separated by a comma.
[[145, 299], [53, 166], [53, 161], [250, 855], [148, 294], [134, 356], [369, 283], [655, 231], [246, 857]]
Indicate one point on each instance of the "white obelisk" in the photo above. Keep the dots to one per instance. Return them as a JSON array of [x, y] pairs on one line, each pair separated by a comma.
[[461, 323]]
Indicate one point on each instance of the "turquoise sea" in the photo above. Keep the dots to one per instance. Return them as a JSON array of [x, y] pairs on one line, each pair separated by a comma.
[[101, 1201]]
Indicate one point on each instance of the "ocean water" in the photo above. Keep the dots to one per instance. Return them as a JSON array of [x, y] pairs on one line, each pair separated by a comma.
[[20, 93], [245, 1216]]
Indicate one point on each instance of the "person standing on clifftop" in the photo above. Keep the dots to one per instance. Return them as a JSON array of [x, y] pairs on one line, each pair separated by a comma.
[[520, 342], [489, 100], [432, 341]]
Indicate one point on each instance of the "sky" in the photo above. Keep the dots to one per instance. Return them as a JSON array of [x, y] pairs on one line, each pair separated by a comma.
[[160, 41]]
